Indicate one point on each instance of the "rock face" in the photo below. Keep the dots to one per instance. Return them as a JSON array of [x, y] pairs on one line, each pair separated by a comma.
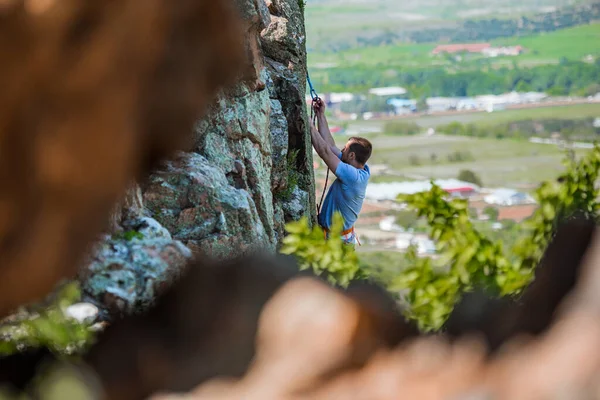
[[210, 210], [129, 270], [232, 193]]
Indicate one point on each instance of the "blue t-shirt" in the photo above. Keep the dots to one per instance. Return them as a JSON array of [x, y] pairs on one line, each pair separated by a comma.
[[346, 195]]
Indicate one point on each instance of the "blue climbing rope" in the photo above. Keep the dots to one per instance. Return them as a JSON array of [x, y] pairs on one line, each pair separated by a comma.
[[313, 92]]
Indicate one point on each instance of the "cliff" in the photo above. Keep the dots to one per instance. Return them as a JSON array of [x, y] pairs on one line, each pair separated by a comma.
[[248, 171], [231, 193]]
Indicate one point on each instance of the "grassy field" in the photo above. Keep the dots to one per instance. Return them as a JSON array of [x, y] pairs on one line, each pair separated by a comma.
[[498, 162], [573, 43], [345, 20]]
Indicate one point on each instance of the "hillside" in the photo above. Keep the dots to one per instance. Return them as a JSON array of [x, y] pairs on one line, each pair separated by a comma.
[[544, 48], [560, 62], [334, 25]]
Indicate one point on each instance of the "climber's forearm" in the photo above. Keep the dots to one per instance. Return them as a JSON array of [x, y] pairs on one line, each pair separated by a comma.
[[324, 150], [324, 129]]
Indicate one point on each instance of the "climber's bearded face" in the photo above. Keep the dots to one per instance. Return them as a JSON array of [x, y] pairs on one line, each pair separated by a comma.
[[347, 155]]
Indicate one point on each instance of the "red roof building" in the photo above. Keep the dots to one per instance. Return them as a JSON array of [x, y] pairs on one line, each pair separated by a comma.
[[459, 48], [516, 213]]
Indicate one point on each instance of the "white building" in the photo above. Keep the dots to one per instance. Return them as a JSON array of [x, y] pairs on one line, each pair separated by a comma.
[[491, 102], [403, 106], [388, 91], [442, 103], [423, 243], [502, 51], [336, 98], [390, 191], [508, 197], [388, 224]]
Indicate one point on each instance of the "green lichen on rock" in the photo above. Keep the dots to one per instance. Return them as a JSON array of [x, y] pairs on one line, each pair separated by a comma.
[[128, 235]]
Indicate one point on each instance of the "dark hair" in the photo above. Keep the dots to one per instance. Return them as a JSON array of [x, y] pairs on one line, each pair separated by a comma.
[[362, 148]]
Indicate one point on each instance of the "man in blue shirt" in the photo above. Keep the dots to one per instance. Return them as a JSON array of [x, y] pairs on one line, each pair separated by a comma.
[[349, 165]]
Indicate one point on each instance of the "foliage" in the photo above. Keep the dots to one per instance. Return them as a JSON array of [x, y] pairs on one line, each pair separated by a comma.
[[487, 29], [338, 261], [401, 128], [460, 156], [435, 285], [414, 160], [468, 258], [302, 5], [382, 266], [492, 213], [574, 129], [128, 235], [293, 176], [467, 175], [50, 328], [406, 218], [571, 77]]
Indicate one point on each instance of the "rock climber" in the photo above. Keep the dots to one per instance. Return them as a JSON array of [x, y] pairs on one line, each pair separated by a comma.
[[349, 165]]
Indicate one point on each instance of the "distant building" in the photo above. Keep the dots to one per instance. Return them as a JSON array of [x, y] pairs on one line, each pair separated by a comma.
[[508, 197], [390, 191], [502, 51], [336, 98], [333, 98], [461, 48], [388, 224], [516, 213], [388, 91], [403, 106], [423, 243], [485, 49], [440, 104]]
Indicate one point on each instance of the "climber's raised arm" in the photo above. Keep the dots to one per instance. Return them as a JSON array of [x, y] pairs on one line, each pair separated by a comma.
[[324, 149], [319, 108]]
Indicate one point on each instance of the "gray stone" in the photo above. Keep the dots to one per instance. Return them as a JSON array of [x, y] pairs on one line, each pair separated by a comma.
[[279, 145], [126, 276], [295, 208], [148, 227], [202, 204], [82, 312]]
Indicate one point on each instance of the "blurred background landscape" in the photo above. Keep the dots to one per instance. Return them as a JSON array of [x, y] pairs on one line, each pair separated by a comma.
[[487, 99]]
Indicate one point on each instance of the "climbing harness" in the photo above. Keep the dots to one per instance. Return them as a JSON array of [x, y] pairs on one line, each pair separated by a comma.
[[343, 234]]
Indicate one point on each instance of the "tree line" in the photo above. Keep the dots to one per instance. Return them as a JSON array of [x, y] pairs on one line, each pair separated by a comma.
[[565, 78], [582, 129]]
